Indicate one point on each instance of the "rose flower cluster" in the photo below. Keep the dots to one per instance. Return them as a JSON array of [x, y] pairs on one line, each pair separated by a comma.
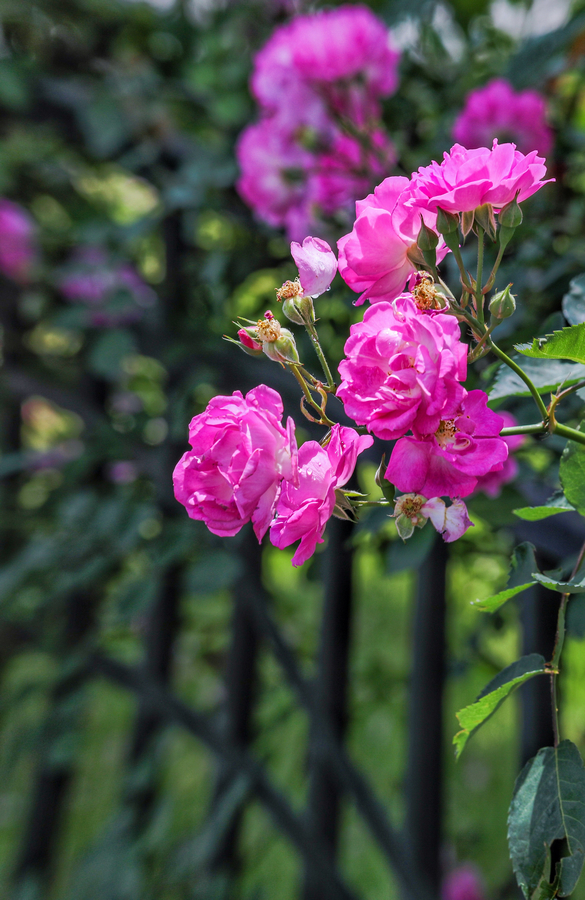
[[319, 142], [402, 378]]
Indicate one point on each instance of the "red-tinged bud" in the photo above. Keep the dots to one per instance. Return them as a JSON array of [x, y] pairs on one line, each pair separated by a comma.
[[248, 341]]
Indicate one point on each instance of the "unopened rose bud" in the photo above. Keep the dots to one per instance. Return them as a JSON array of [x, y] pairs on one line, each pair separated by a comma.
[[427, 239], [484, 217], [511, 215], [283, 349], [447, 223], [247, 340], [503, 304]]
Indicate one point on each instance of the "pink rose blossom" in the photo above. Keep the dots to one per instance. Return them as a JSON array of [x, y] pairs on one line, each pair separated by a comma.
[[467, 179], [448, 460], [302, 512], [316, 263], [374, 258], [463, 883], [347, 170], [17, 242], [401, 366], [241, 453], [493, 482], [496, 110]]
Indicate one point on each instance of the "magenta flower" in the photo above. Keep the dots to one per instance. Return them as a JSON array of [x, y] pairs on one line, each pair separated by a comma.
[[18, 250], [448, 461], [496, 110], [493, 482], [401, 367], [241, 454], [463, 883], [316, 263], [467, 179], [302, 512], [374, 258]]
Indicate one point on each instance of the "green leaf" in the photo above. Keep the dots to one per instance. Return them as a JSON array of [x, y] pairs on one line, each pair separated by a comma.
[[548, 805], [574, 586], [558, 503], [522, 565], [572, 474], [574, 301], [566, 344], [546, 375], [493, 695]]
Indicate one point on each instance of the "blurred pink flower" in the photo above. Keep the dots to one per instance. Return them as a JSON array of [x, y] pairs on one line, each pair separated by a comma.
[[496, 110], [114, 292], [463, 883], [493, 482], [448, 461], [374, 257], [303, 511], [241, 453], [402, 367], [467, 179], [18, 250]]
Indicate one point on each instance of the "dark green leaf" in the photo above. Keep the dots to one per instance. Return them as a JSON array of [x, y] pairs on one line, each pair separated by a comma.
[[546, 375], [473, 717], [574, 301], [548, 805], [566, 344], [558, 503], [522, 566], [572, 474], [574, 586]]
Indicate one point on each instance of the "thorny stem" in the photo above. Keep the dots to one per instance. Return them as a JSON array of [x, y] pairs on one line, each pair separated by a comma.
[[478, 289], [525, 378], [312, 332], [323, 419], [558, 649]]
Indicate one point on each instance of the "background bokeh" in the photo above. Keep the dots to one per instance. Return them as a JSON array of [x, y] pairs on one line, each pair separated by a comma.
[[118, 123]]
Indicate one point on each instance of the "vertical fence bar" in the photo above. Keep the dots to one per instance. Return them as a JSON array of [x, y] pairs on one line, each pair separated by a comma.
[[331, 693], [240, 684], [424, 778], [539, 621]]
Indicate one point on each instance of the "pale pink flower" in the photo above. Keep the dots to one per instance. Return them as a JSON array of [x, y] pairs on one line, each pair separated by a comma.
[[496, 110], [467, 179], [240, 456], [302, 512], [448, 460], [450, 521], [18, 252], [401, 366], [493, 482], [463, 883], [316, 263], [373, 258]]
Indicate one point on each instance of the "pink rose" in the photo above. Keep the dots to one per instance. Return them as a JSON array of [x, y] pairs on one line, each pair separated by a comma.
[[346, 170], [316, 263], [467, 179], [448, 461], [401, 366], [463, 883], [413, 511], [374, 258], [241, 454], [17, 242], [302, 512], [496, 110], [493, 482]]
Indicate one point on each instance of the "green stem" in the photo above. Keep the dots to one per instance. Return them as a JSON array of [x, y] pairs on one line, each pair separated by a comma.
[[491, 280], [479, 279], [539, 428], [456, 251], [571, 433], [305, 389], [558, 649], [312, 332], [525, 378]]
